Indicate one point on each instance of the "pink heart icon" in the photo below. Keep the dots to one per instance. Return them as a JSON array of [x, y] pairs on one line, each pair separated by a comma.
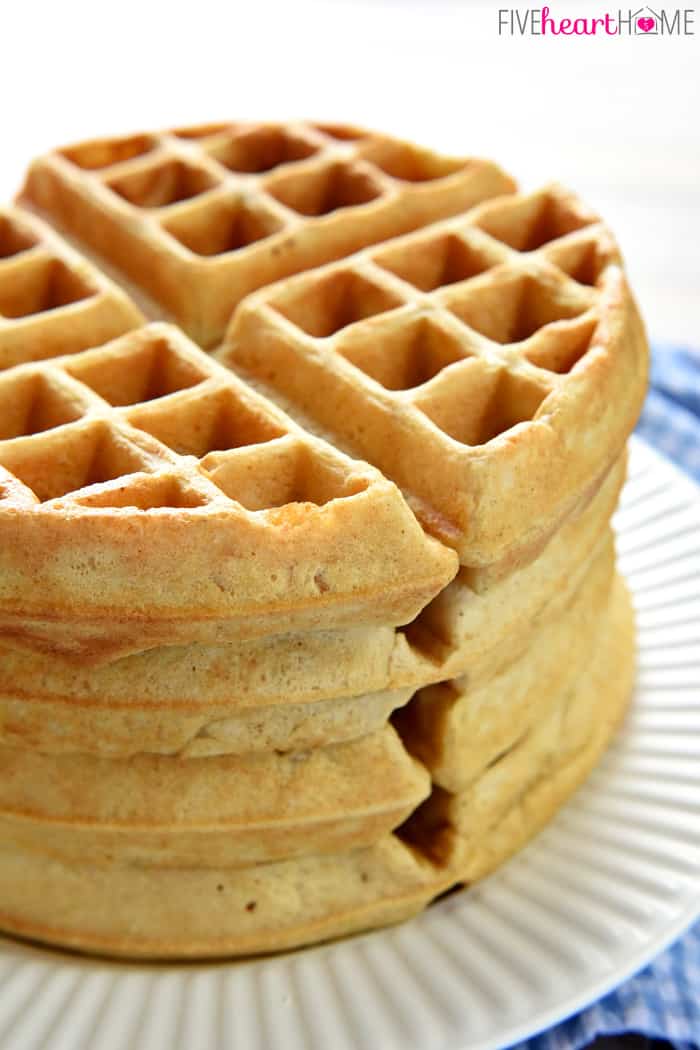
[[646, 24]]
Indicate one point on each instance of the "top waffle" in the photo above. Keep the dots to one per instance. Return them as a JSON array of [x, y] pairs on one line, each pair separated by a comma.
[[492, 364], [198, 217]]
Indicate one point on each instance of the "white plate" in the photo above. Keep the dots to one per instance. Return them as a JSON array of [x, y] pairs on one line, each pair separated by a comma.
[[610, 883]]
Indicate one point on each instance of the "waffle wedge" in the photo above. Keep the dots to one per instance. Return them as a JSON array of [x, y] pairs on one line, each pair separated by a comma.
[[148, 496], [196, 218], [493, 365]]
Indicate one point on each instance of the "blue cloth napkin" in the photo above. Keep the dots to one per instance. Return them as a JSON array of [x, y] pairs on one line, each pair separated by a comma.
[[671, 417], [663, 1001]]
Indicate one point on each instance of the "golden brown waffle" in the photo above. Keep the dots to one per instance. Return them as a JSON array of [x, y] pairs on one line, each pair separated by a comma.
[[226, 811], [198, 217], [493, 365], [148, 496], [295, 691], [52, 301], [166, 913], [209, 611]]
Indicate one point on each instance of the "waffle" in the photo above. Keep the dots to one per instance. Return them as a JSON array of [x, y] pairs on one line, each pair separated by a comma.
[[161, 913], [296, 691], [156, 498], [492, 365], [198, 217], [298, 635], [52, 301], [233, 811]]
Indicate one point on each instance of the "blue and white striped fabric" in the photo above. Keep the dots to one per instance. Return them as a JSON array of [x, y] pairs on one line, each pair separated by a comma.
[[663, 1001]]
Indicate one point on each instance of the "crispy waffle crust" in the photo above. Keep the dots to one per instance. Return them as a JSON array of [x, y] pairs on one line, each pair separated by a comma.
[[198, 217], [503, 345], [175, 913]]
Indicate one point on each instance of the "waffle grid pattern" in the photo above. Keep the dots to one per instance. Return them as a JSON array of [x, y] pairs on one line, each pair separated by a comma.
[[225, 209], [51, 299], [149, 422], [460, 299], [429, 347]]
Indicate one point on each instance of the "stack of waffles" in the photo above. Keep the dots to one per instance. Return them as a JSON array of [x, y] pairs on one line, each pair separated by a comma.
[[309, 444]]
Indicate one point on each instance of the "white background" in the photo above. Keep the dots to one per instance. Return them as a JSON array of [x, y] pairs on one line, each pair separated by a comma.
[[618, 119]]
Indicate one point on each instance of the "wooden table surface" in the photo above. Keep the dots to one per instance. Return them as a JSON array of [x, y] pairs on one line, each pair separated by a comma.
[[618, 119]]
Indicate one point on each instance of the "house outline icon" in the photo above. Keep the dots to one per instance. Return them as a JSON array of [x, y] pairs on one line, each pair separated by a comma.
[[646, 12]]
